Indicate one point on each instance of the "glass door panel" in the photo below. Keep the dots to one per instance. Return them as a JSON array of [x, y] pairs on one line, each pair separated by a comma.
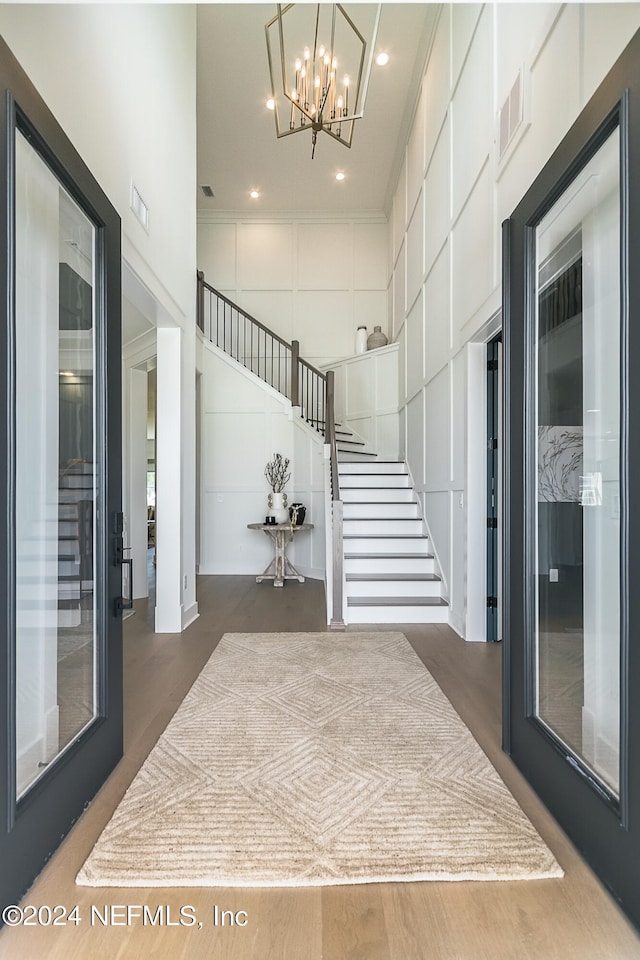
[[56, 473], [577, 467]]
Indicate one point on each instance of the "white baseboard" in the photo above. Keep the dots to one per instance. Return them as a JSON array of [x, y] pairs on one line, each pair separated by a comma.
[[189, 615]]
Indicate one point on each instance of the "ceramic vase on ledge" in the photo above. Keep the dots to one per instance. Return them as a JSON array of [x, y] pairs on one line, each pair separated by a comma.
[[361, 340], [376, 339], [278, 507]]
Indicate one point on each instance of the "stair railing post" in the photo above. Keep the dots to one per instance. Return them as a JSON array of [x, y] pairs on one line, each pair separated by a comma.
[[337, 619], [200, 316], [330, 433], [295, 383], [337, 511]]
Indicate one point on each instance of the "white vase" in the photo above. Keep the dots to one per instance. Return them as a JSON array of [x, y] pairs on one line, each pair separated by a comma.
[[278, 507], [361, 340]]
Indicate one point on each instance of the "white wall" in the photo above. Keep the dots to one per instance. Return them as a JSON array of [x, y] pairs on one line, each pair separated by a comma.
[[244, 422], [121, 81], [451, 197], [366, 398], [314, 281]]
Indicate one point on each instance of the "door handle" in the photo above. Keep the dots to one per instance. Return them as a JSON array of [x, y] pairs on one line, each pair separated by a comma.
[[125, 603]]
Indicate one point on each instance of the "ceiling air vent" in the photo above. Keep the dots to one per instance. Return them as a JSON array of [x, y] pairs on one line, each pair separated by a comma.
[[511, 115], [207, 190]]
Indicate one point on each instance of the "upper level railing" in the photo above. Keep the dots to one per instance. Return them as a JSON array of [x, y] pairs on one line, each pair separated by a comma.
[[247, 340], [280, 365], [263, 352]]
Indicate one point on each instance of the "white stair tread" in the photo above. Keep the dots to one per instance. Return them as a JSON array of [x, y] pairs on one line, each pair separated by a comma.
[[388, 556], [386, 536], [397, 602], [401, 577], [384, 555], [391, 519]]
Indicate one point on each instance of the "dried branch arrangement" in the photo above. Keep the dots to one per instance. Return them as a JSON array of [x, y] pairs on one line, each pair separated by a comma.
[[277, 472]]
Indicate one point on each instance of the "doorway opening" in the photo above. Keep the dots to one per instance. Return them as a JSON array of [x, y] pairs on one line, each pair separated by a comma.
[[152, 381]]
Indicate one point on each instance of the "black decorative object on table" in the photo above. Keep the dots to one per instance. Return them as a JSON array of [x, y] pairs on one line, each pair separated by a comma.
[[297, 512]]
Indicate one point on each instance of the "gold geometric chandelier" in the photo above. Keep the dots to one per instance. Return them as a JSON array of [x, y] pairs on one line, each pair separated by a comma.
[[320, 56]]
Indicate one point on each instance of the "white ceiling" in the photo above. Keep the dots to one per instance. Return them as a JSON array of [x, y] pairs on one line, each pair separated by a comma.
[[237, 145]]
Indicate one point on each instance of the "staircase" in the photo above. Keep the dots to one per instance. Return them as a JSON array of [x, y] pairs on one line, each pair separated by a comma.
[[350, 446], [75, 541], [389, 570], [390, 573]]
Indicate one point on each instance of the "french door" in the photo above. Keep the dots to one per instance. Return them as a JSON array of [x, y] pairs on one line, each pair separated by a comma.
[[572, 341], [60, 560]]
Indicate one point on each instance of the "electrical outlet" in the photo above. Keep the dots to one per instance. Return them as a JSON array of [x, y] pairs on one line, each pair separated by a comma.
[[553, 575]]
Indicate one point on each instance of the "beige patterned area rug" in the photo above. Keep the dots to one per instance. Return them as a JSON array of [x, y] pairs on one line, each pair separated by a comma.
[[311, 759]]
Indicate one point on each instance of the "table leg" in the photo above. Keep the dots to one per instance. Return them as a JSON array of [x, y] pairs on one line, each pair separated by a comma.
[[280, 568], [278, 580]]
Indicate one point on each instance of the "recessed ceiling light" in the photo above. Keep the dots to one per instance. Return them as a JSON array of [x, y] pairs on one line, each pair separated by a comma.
[[271, 104], [254, 194], [340, 176], [382, 59]]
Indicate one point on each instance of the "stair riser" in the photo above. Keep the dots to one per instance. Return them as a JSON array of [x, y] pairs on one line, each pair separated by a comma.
[[347, 453], [70, 496], [394, 588], [381, 511], [374, 480], [389, 565], [375, 528], [75, 483], [375, 466], [398, 614], [68, 528], [379, 494], [71, 591], [419, 545], [71, 618], [69, 568]]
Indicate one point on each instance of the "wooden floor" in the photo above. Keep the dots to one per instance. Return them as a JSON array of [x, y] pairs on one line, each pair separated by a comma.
[[568, 919]]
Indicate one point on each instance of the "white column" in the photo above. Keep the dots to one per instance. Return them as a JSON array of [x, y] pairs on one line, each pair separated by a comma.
[[137, 499], [188, 459], [169, 482], [475, 549]]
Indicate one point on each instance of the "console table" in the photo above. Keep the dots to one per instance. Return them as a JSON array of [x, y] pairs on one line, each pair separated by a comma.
[[280, 568]]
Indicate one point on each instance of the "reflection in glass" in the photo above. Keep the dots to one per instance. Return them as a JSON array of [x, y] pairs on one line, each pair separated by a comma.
[[56, 484], [578, 466]]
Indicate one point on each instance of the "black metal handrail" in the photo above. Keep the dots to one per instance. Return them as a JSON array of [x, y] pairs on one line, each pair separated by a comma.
[[263, 352], [245, 339]]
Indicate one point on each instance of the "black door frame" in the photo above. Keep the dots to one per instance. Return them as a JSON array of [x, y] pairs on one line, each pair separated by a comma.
[[493, 485], [607, 831], [32, 828]]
